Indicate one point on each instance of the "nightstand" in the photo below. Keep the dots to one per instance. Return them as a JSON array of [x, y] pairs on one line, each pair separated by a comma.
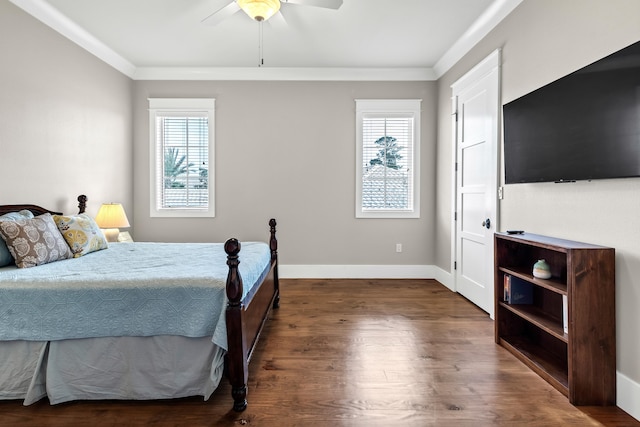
[[124, 236]]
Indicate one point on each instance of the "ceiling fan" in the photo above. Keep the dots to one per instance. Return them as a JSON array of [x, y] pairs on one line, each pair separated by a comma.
[[261, 10]]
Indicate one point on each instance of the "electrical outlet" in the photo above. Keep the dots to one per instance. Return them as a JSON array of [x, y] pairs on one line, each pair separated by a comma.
[[398, 247]]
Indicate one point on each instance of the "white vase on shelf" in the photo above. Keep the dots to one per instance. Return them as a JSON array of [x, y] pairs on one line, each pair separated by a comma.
[[541, 270]]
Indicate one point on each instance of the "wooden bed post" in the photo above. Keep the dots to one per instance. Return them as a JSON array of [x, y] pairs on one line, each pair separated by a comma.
[[245, 323], [236, 358], [82, 203], [273, 245]]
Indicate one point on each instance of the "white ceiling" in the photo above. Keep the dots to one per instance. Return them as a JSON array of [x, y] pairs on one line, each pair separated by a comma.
[[363, 39]]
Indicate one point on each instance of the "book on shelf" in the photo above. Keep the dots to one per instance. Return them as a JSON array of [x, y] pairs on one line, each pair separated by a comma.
[[517, 291], [565, 314]]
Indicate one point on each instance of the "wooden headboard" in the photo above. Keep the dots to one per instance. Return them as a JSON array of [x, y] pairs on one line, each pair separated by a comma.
[[39, 210]]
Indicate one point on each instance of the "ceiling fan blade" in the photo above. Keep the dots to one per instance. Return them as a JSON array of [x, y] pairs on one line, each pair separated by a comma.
[[221, 14], [328, 4], [277, 21]]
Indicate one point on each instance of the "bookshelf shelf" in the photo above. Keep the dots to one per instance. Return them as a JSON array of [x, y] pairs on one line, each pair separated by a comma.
[[566, 334], [551, 284], [540, 318], [549, 366]]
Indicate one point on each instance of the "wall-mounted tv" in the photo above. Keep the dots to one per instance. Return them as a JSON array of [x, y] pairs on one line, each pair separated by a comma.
[[584, 126]]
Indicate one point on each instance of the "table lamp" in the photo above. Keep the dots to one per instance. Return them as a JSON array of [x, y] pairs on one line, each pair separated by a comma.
[[111, 217]]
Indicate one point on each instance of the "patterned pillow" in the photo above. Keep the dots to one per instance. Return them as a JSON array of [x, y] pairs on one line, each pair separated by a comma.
[[5, 256], [34, 241], [81, 233]]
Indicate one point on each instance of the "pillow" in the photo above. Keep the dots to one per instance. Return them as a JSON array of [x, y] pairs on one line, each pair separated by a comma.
[[34, 241], [5, 256], [81, 233], [12, 216]]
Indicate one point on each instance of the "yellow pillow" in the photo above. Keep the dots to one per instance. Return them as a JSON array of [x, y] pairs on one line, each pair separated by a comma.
[[81, 233]]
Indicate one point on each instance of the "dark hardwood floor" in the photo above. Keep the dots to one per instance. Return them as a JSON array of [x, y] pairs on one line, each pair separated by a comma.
[[359, 353]]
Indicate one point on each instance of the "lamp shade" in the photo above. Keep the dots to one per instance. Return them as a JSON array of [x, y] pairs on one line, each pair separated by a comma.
[[112, 215], [260, 10]]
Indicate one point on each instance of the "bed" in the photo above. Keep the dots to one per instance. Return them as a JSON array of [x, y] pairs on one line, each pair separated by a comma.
[[136, 320]]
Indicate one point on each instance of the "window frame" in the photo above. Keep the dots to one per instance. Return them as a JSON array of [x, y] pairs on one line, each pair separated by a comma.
[[159, 107], [392, 108]]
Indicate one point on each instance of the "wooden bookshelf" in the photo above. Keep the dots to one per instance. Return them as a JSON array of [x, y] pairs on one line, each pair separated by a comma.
[[580, 362]]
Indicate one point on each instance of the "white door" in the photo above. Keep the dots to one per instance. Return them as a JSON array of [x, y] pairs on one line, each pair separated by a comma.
[[476, 103]]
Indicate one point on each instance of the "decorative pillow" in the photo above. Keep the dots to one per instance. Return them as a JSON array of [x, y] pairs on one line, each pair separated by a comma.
[[34, 241], [81, 233], [5, 256]]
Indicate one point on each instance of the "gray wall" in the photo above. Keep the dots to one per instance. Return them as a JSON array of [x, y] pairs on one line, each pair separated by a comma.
[[287, 150], [543, 40], [65, 120]]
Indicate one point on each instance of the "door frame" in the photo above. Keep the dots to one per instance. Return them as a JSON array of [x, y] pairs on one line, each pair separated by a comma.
[[480, 70]]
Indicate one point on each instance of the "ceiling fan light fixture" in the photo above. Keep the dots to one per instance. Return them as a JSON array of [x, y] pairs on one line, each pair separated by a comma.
[[260, 10]]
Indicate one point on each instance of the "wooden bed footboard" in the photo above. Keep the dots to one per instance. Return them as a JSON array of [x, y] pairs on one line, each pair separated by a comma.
[[246, 318]]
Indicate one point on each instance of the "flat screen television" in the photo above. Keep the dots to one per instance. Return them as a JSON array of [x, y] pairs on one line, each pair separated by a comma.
[[584, 126]]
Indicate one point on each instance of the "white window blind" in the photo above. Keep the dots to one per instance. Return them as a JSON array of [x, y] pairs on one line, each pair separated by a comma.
[[182, 173], [183, 157], [388, 166]]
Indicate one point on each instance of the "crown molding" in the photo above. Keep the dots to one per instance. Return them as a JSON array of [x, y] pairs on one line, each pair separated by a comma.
[[284, 74], [491, 17], [50, 16]]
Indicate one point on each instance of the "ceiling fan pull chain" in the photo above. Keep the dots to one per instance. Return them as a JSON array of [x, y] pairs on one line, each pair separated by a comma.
[[260, 39]]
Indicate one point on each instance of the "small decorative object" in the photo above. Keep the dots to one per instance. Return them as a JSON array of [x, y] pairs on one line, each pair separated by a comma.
[[541, 270]]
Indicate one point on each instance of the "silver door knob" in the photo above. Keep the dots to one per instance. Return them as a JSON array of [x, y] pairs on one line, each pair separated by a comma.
[[486, 223]]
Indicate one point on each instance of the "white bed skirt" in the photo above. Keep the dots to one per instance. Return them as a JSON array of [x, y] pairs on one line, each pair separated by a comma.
[[124, 368]]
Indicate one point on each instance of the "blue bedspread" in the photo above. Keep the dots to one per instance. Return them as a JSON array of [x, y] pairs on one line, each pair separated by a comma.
[[130, 289]]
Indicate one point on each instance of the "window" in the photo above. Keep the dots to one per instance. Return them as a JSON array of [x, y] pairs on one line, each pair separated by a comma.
[[181, 155], [388, 158]]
